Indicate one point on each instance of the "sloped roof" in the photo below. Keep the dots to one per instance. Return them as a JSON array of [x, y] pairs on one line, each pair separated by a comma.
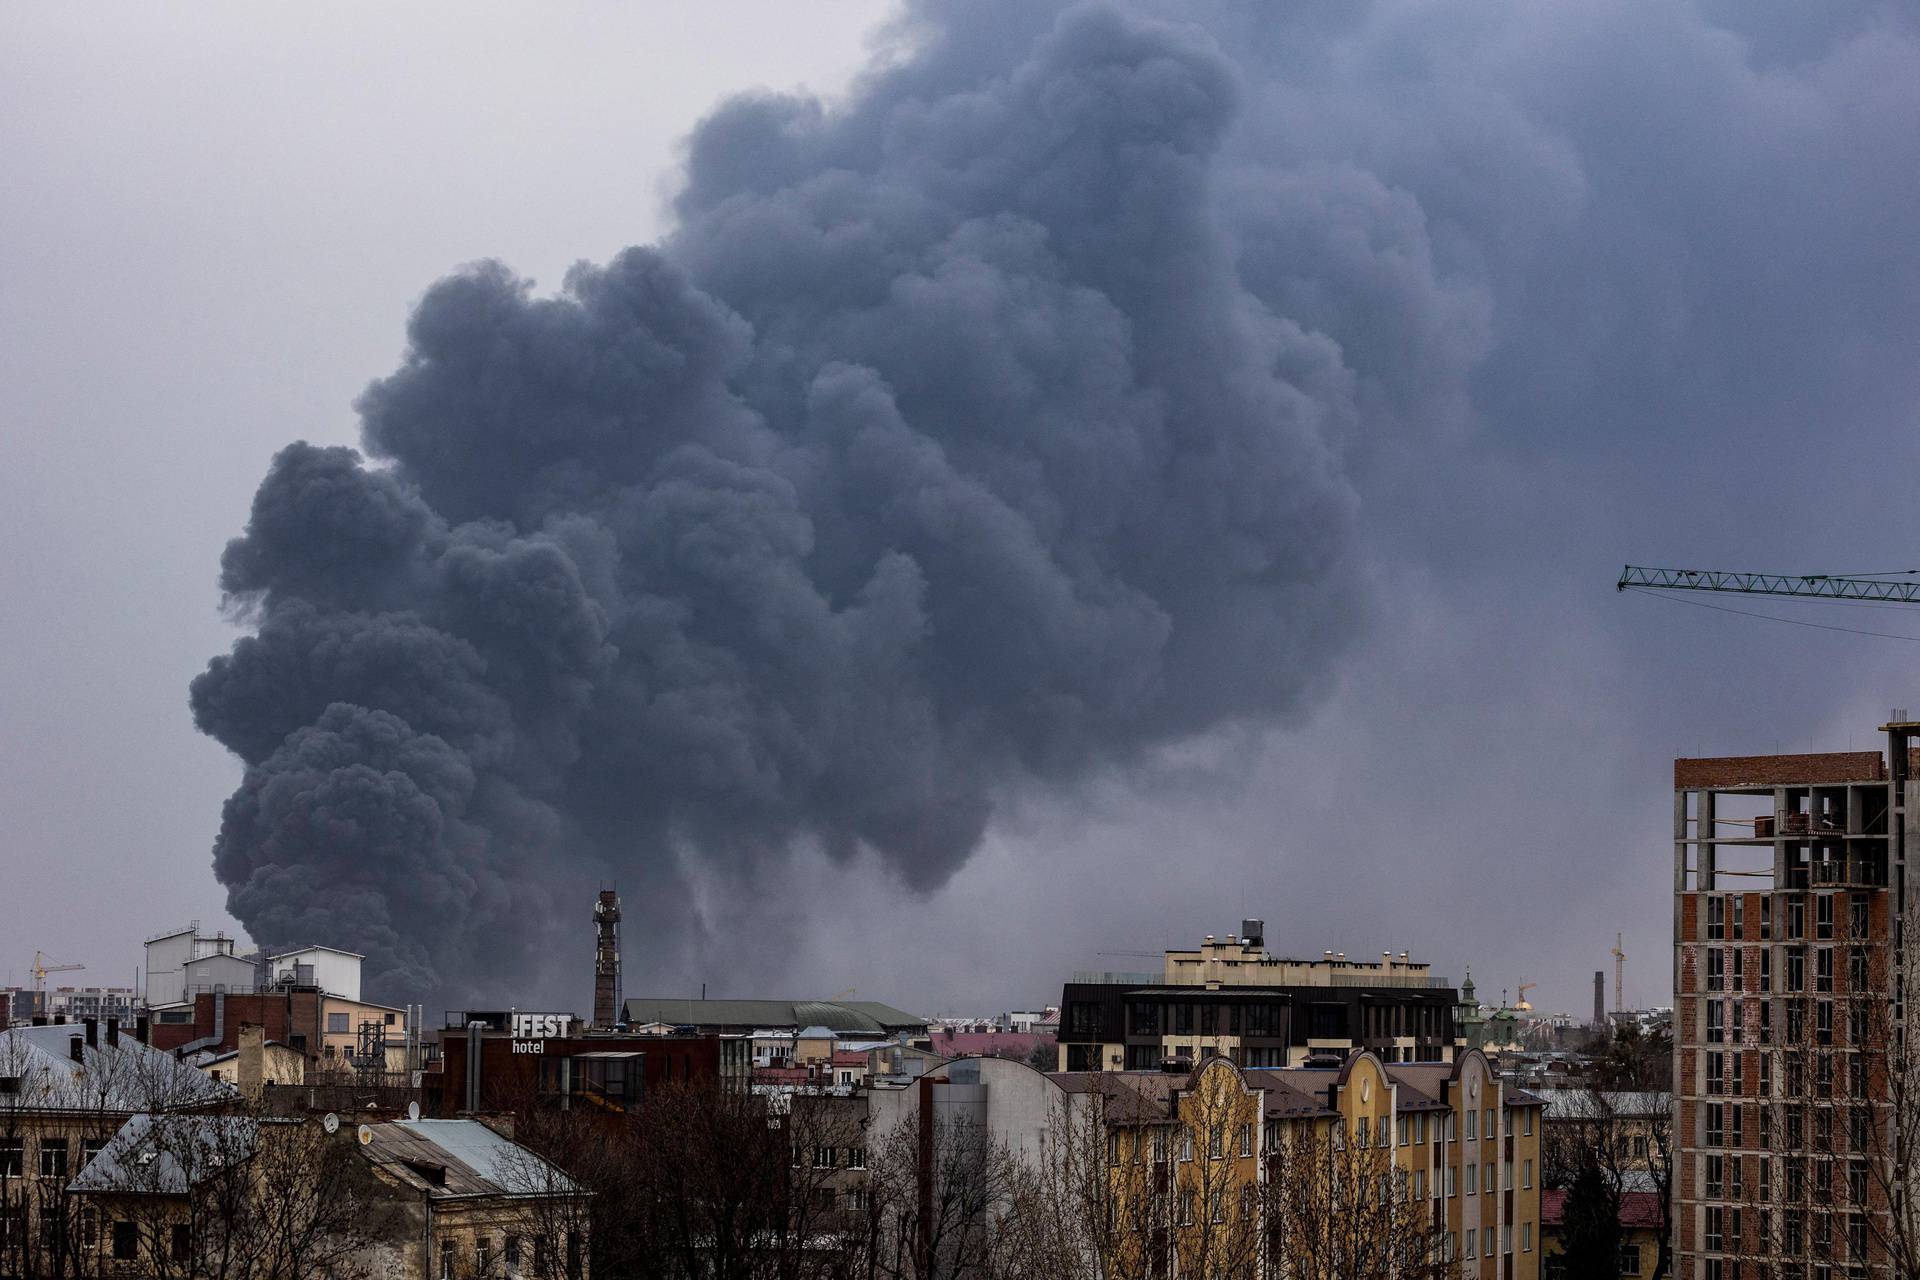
[[128, 1077], [1584, 1104], [1639, 1210], [860, 1017], [449, 1158], [168, 1154]]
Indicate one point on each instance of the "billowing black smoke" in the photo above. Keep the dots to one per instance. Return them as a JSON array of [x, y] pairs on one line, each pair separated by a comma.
[[940, 451]]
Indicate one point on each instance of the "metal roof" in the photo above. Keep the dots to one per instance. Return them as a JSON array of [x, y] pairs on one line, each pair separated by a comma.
[[449, 1158], [125, 1077], [861, 1017], [168, 1154]]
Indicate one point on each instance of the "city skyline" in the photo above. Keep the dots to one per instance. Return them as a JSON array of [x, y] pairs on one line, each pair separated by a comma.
[[1558, 369]]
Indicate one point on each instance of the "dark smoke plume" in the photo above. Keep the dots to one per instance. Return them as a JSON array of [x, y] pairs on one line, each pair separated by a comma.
[[941, 451]]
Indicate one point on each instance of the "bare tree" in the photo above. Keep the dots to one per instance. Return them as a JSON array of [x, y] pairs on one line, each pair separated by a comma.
[[1342, 1209]]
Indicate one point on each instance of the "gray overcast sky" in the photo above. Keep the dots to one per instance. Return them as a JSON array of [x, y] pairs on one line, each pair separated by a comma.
[[1608, 282]]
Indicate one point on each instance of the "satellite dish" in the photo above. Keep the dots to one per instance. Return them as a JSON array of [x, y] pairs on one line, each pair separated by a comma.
[[413, 1111], [366, 1135], [330, 1122]]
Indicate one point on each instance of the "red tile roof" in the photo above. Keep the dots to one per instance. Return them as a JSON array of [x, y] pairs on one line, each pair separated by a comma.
[[1638, 1209]]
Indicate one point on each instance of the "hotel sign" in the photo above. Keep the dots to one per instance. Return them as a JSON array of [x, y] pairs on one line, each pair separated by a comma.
[[531, 1031]]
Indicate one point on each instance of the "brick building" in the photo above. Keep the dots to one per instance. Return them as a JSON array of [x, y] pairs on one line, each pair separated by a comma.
[[1789, 877]]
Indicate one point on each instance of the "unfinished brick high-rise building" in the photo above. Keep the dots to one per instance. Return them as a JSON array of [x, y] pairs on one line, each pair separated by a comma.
[[1791, 1078]]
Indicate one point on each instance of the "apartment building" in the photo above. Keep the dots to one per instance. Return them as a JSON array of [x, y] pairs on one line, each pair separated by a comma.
[[1790, 879], [65, 1089], [1236, 1171], [1234, 998]]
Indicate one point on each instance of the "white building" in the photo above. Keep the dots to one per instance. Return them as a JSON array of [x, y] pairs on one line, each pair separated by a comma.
[[183, 963], [334, 971]]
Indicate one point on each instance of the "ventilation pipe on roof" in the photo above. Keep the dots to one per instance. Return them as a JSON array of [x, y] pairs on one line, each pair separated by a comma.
[[113, 1033], [77, 1048], [473, 1066], [141, 1027], [219, 1029], [93, 1032]]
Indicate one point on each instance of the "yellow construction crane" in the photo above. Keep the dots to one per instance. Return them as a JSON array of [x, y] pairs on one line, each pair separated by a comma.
[[41, 968], [1521, 1002], [1619, 975]]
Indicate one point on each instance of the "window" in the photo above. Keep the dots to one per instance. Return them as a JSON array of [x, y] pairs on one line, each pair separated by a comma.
[[1526, 1236], [1716, 1072], [1716, 1234], [1217, 1205], [448, 1254], [1766, 919], [1823, 916], [1186, 1208], [182, 1242], [1506, 1238], [1739, 922], [1823, 969], [1716, 919], [857, 1156], [1526, 1174], [1509, 1116], [337, 1024], [1716, 1133], [856, 1199], [1452, 1190], [1473, 1181], [1716, 1177], [1506, 1176], [512, 1251], [1216, 1142], [1526, 1122], [1472, 1238], [482, 1255], [13, 1157], [390, 1019], [53, 1157], [1796, 970], [1383, 1135], [1473, 1125], [126, 1242], [1858, 909], [1450, 1129], [1856, 969], [1766, 971], [1186, 1144], [1486, 1241], [1246, 1203], [1823, 1022], [1716, 969], [1486, 1177], [1246, 1140], [1716, 1021]]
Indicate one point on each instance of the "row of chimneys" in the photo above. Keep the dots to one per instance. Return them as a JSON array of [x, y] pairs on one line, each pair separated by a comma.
[[91, 1038]]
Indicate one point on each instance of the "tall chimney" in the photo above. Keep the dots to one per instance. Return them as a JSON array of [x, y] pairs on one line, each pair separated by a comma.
[[1599, 998], [606, 959], [251, 1071]]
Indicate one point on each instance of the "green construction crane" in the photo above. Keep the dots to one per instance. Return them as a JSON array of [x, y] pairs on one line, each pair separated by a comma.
[[1824, 586]]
